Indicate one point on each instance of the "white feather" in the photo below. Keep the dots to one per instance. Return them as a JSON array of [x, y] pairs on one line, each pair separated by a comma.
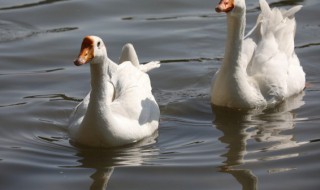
[[261, 69], [119, 110]]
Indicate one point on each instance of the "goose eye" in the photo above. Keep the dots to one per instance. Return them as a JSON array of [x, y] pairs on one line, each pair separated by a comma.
[[98, 44]]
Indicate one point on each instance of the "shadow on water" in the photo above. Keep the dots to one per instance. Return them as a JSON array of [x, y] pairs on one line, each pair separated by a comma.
[[263, 127]]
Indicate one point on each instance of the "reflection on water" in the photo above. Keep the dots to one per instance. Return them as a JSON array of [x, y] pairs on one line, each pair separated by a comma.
[[234, 125], [105, 161], [101, 178], [265, 127]]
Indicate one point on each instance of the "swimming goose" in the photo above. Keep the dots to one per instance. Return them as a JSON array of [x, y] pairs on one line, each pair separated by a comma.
[[260, 69], [120, 109]]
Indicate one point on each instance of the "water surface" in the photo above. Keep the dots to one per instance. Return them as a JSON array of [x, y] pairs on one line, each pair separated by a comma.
[[197, 147]]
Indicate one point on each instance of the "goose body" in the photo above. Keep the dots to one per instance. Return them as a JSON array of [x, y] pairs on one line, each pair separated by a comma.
[[120, 108], [260, 69]]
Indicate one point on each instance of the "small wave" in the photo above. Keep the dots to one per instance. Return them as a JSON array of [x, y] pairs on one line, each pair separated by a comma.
[[26, 5], [308, 45], [13, 30]]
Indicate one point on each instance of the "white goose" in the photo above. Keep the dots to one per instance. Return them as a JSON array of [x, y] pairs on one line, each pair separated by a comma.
[[261, 69], [120, 109]]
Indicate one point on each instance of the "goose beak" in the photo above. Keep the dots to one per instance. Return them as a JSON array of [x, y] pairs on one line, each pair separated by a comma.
[[84, 57], [86, 52], [225, 6], [79, 61]]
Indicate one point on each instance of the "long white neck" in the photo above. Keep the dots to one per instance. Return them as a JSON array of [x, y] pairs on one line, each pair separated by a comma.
[[101, 73], [235, 35]]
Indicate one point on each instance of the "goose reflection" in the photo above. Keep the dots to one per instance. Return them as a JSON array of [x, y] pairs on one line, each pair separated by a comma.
[[105, 161], [264, 128]]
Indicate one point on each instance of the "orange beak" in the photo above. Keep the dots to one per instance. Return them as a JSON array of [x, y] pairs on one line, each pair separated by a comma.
[[86, 52], [225, 6]]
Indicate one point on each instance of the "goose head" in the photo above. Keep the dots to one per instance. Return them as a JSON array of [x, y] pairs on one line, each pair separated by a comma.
[[233, 7], [92, 50]]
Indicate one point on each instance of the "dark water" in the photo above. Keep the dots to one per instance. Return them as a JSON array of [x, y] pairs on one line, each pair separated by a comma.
[[197, 148]]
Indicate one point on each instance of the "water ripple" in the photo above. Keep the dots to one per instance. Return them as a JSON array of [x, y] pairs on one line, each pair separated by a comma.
[[54, 97], [14, 30], [21, 6], [32, 72], [14, 104], [169, 17], [308, 45], [200, 59]]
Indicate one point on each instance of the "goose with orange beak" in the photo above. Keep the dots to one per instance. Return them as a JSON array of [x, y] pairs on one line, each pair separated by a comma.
[[259, 70], [120, 108]]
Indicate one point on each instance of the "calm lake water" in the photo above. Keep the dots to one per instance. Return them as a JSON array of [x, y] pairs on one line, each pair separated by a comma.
[[197, 148]]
